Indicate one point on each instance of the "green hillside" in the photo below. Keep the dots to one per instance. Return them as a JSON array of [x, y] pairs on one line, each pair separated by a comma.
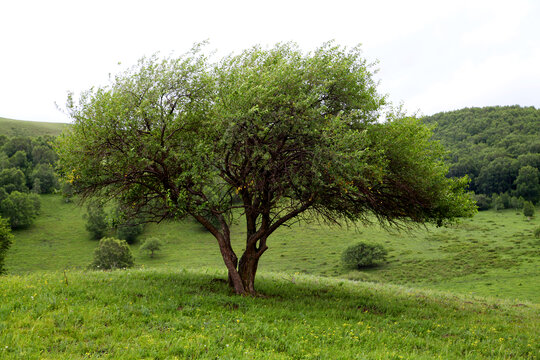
[[492, 145], [10, 128], [493, 254]]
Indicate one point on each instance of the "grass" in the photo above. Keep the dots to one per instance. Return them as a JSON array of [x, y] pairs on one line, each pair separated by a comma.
[[494, 254], [182, 314], [10, 128]]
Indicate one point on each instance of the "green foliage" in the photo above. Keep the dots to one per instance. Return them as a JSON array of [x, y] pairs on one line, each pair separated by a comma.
[[67, 190], [483, 202], [96, 220], [537, 232], [363, 255], [289, 133], [151, 245], [528, 184], [13, 179], [112, 253], [490, 144], [19, 160], [528, 209], [47, 178], [5, 242], [20, 208], [129, 231]]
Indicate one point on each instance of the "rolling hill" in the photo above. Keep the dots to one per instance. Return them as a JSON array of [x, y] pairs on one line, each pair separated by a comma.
[[11, 127]]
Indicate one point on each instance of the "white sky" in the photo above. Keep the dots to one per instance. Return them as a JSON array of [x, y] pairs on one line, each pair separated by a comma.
[[433, 55]]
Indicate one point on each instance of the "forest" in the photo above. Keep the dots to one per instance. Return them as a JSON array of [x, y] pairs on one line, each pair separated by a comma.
[[498, 148]]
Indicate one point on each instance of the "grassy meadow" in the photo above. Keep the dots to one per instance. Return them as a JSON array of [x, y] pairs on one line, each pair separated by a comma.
[[11, 128], [469, 291], [182, 314], [494, 254]]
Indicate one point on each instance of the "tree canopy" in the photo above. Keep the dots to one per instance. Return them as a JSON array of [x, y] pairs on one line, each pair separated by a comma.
[[492, 145], [274, 135]]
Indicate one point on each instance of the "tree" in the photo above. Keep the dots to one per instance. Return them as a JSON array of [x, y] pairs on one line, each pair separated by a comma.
[[528, 209], [20, 208], [152, 245], [13, 180], [47, 178], [5, 242], [294, 136], [528, 183], [111, 254], [96, 220]]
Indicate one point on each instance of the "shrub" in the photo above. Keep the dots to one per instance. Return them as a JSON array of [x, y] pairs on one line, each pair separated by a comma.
[[528, 209], [5, 242], [537, 232], [96, 220], [363, 255], [112, 253], [151, 245], [482, 201], [129, 231], [20, 208]]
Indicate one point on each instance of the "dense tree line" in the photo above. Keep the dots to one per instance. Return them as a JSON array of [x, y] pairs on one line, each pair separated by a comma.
[[497, 147], [26, 169]]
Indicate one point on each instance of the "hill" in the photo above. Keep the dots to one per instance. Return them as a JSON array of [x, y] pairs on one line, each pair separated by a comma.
[[493, 254], [180, 314], [10, 128], [490, 145]]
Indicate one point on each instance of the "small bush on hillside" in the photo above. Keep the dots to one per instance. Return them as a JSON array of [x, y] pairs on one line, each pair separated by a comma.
[[129, 231], [483, 202], [112, 253], [528, 209], [363, 255], [5, 242], [537, 232], [151, 245], [96, 220]]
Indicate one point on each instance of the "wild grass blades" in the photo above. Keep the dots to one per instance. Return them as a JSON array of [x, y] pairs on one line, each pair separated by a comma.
[[137, 314]]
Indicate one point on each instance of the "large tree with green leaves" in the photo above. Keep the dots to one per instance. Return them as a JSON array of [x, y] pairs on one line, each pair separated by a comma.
[[273, 135]]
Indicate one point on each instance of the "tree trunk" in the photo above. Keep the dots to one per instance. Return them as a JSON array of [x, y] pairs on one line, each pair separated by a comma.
[[247, 268]]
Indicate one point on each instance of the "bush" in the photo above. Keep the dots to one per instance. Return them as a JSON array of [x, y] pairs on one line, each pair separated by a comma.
[[112, 253], [20, 208], [363, 255], [5, 242], [129, 231], [151, 245], [482, 201], [537, 232], [528, 209], [96, 220]]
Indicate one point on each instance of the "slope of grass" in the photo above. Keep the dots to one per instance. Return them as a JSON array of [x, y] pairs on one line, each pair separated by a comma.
[[182, 314], [10, 127], [493, 254]]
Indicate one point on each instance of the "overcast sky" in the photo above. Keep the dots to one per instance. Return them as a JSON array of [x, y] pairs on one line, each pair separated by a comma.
[[433, 55]]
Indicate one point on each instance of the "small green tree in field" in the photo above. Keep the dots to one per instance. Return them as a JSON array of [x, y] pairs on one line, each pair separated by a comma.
[[363, 255], [528, 209], [112, 253], [5, 242], [96, 220], [151, 245]]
